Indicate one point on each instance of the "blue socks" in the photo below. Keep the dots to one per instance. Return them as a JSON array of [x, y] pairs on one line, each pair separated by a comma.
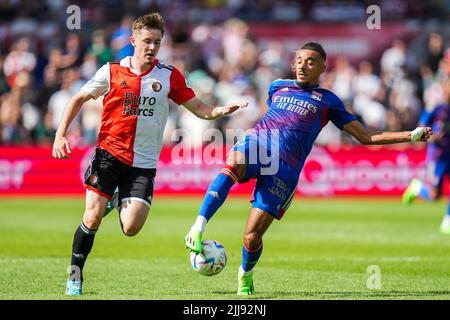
[[217, 192], [250, 257], [215, 196], [425, 193]]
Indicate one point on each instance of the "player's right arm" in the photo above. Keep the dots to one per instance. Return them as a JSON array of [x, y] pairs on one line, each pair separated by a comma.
[[61, 146], [94, 88]]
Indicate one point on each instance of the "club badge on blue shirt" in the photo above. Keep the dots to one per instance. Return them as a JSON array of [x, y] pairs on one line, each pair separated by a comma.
[[316, 96]]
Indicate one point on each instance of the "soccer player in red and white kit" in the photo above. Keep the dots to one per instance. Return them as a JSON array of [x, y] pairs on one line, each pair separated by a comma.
[[135, 107]]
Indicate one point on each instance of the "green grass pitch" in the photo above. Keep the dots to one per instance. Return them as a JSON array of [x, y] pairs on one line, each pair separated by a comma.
[[321, 249]]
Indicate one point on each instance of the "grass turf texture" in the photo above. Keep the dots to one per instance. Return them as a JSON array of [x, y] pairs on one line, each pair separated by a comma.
[[321, 249]]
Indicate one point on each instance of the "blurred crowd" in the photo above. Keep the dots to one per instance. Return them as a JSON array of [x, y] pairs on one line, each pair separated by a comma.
[[42, 65]]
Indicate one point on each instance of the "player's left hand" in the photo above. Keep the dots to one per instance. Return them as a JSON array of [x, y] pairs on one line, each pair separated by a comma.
[[422, 134], [232, 108]]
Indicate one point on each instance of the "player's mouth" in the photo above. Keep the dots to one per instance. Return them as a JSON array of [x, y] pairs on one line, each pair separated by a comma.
[[149, 55]]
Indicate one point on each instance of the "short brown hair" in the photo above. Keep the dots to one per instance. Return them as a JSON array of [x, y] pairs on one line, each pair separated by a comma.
[[149, 21]]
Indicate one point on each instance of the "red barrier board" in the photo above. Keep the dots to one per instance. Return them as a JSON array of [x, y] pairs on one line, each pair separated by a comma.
[[345, 171], [353, 40]]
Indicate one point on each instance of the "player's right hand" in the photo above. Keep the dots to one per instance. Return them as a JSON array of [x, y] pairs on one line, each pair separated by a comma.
[[61, 148]]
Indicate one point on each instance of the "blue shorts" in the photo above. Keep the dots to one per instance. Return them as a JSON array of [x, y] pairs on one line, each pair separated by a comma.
[[276, 181]]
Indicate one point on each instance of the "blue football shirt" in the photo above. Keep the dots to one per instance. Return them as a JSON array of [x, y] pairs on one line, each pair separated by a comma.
[[299, 114]]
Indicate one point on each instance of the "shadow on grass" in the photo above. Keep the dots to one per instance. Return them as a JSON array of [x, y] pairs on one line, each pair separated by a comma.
[[293, 295], [351, 295]]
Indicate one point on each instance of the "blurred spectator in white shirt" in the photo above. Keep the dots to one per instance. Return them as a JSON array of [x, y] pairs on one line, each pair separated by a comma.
[[15, 110], [194, 127], [248, 117], [89, 66], [393, 60], [20, 59], [343, 74], [90, 120], [233, 39], [58, 102], [365, 83], [404, 102]]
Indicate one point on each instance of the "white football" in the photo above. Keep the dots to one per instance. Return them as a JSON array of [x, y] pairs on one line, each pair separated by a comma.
[[211, 260]]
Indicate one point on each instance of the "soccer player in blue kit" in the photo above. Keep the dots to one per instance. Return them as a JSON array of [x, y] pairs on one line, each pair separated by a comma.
[[298, 110], [438, 158]]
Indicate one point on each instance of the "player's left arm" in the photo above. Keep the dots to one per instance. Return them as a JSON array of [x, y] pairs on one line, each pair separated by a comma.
[[204, 111], [372, 137], [426, 119]]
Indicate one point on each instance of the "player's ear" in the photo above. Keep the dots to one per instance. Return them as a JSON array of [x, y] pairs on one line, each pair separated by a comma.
[[324, 67], [133, 40]]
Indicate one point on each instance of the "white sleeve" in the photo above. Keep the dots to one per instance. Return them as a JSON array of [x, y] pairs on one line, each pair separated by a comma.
[[99, 84]]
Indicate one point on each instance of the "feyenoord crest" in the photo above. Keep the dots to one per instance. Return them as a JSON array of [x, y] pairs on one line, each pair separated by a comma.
[[156, 86], [93, 179]]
